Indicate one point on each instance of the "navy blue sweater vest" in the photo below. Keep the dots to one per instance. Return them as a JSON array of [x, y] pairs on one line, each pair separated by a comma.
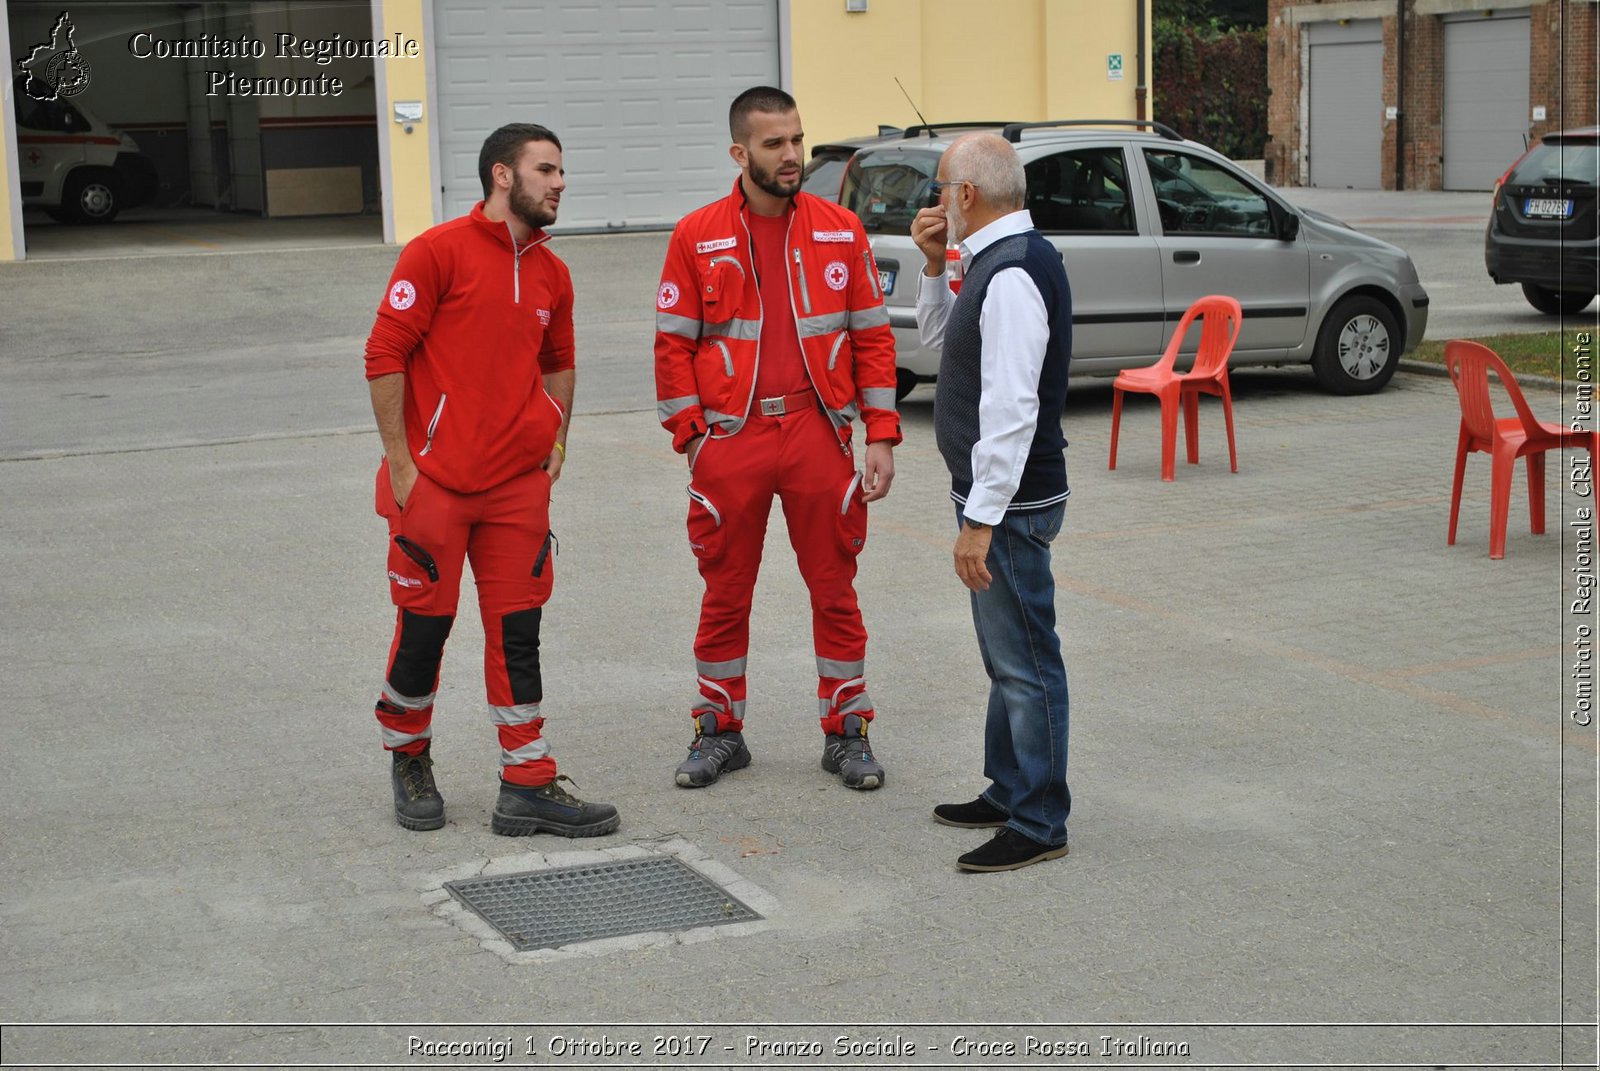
[[955, 406]]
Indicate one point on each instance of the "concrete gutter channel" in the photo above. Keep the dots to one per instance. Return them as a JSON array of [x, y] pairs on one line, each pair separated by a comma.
[[1330, 806]]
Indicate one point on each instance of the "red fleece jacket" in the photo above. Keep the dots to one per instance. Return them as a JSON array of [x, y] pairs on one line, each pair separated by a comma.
[[474, 323]]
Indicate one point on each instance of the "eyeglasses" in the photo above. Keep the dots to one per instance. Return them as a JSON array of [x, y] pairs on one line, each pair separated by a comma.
[[938, 186]]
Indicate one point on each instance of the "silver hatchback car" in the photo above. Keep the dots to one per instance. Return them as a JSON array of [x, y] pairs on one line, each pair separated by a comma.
[[1147, 222]]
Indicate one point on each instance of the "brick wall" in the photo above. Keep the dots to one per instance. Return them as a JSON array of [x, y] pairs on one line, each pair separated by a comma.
[[1562, 63], [1424, 103], [1283, 97]]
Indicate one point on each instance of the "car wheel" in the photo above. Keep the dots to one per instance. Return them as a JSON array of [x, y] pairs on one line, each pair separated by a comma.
[[1358, 347], [91, 196], [1557, 302], [904, 383]]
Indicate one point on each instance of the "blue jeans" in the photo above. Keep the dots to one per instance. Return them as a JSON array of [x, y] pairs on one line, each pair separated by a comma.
[[1025, 736]]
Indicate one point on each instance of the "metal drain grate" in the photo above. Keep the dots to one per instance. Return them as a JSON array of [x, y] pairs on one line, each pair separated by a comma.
[[551, 908]]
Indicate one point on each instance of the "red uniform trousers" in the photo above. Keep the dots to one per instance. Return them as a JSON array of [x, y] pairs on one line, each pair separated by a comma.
[[799, 458], [505, 531]]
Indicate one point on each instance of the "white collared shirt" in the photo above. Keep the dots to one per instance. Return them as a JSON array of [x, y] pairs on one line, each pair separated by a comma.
[[1015, 328]]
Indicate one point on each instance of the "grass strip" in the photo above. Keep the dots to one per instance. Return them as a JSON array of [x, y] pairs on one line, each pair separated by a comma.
[[1557, 354]]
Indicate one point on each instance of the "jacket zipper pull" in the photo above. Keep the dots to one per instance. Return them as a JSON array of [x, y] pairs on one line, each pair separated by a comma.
[[805, 291]]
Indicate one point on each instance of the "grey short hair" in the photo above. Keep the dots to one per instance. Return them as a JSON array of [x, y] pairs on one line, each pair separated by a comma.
[[989, 162]]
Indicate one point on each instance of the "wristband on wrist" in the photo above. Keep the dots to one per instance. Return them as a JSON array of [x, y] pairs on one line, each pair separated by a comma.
[[560, 446]]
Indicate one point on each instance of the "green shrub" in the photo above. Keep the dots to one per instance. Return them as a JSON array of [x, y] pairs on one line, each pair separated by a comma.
[[1211, 85]]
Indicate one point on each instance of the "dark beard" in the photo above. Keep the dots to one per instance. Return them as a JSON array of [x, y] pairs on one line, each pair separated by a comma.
[[768, 182], [528, 210]]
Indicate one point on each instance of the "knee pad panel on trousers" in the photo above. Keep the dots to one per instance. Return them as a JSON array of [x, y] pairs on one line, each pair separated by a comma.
[[519, 640], [418, 652]]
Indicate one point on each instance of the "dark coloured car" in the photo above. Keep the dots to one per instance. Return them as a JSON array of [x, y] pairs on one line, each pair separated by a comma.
[[1543, 232]]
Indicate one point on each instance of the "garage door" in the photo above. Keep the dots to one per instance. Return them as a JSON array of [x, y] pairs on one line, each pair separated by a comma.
[[1344, 140], [1485, 98], [638, 93]]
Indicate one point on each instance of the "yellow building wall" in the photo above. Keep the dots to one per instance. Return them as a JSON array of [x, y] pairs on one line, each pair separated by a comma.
[[10, 198], [960, 60], [10, 218], [408, 192]]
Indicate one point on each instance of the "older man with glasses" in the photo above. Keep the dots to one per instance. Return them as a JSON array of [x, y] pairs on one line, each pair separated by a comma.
[[1007, 342]]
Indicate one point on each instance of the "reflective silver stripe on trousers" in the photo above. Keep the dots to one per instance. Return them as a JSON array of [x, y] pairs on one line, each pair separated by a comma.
[[703, 702], [853, 705], [826, 324], [408, 702], [878, 397], [526, 753], [727, 420], [681, 326], [702, 705], [671, 407], [861, 319], [521, 714], [740, 330], [394, 740], [856, 704], [828, 667], [733, 667]]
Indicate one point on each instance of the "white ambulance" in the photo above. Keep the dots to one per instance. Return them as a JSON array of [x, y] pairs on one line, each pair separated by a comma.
[[73, 165]]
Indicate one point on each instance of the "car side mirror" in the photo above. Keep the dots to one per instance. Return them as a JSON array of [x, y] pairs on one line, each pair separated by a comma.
[[1288, 227]]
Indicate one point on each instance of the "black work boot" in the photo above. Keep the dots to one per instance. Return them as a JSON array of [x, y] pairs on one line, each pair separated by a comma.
[[850, 756], [522, 810], [417, 803]]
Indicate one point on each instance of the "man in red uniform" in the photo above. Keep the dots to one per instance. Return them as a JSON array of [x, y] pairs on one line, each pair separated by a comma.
[[470, 365], [771, 338]]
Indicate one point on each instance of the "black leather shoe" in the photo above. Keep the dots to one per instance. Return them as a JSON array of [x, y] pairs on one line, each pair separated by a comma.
[[522, 810], [1009, 850], [979, 814], [417, 803]]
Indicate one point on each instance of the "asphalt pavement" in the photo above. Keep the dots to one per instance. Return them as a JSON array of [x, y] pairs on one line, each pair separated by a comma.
[[1331, 804]]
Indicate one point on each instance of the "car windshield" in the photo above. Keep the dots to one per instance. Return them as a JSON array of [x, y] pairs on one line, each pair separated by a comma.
[[887, 187], [1575, 163]]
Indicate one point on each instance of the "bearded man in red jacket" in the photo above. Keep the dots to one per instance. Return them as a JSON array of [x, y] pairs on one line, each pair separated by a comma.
[[470, 365], [771, 339]]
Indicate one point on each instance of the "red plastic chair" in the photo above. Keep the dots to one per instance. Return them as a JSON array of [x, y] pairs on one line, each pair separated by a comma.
[[1504, 439], [1219, 330]]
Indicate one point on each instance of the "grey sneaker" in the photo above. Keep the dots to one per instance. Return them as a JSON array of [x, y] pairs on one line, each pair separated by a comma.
[[850, 756], [522, 810], [711, 754], [417, 803]]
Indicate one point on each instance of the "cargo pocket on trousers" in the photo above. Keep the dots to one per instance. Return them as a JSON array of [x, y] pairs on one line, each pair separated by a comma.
[[852, 517], [543, 573], [706, 535]]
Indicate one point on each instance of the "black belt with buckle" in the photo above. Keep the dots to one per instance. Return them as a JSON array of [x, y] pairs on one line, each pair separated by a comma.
[[797, 402]]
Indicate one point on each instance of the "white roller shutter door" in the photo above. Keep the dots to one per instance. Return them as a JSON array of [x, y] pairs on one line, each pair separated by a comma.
[[1485, 98], [1344, 137], [638, 92]]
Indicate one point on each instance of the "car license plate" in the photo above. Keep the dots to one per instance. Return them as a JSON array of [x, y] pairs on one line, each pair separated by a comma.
[[886, 280], [1547, 208]]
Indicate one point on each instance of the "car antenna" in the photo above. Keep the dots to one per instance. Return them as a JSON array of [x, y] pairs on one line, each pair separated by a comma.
[[914, 108]]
